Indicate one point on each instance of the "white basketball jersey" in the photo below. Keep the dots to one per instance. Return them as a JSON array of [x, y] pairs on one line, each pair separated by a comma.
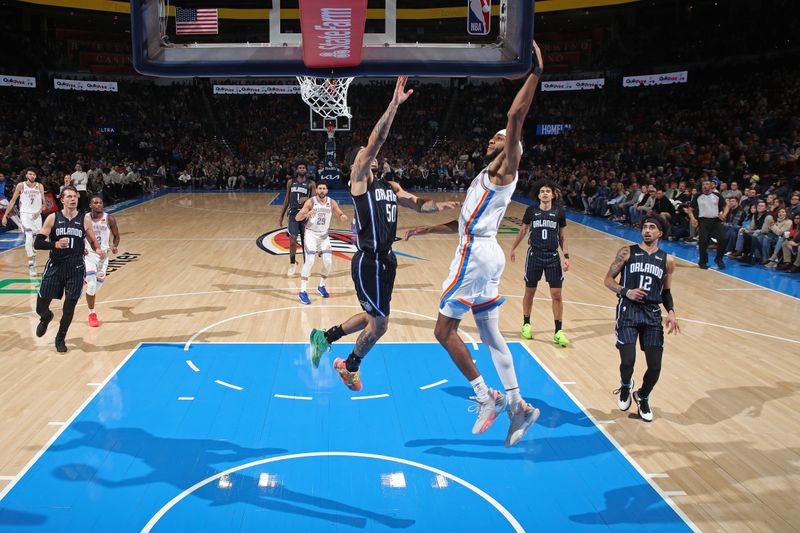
[[30, 201], [102, 232], [484, 207], [320, 219]]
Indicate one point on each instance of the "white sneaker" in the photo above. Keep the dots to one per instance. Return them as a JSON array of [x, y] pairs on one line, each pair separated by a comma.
[[645, 413], [292, 269], [523, 415], [488, 411], [624, 397]]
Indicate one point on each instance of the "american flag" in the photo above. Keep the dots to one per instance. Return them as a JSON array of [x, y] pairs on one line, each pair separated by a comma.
[[193, 21]]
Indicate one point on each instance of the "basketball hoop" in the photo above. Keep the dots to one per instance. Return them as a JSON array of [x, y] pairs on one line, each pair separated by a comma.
[[326, 96], [331, 127]]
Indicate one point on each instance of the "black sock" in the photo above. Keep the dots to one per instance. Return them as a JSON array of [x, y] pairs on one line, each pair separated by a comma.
[[558, 325], [352, 363], [292, 261], [334, 334], [526, 319]]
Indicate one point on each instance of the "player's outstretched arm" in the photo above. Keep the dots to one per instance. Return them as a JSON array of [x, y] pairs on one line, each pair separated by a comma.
[[305, 211], [360, 169], [507, 166], [420, 205], [449, 227]]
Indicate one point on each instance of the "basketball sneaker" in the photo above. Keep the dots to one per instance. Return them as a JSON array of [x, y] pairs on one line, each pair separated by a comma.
[[527, 331], [41, 329], [93, 321], [644, 407], [624, 396], [61, 346], [303, 295], [488, 411], [561, 339], [292, 269], [319, 345], [323, 291], [351, 380], [523, 415]]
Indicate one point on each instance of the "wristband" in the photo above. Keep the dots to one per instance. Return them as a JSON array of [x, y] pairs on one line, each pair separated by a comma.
[[537, 71]]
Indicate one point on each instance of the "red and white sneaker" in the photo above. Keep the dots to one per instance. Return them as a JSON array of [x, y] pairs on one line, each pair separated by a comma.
[[351, 380], [93, 322]]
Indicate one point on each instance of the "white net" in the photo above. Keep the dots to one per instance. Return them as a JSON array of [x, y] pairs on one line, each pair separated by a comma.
[[326, 96]]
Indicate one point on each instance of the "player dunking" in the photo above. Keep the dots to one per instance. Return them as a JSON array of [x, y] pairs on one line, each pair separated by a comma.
[[31, 202], [64, 272], [546, 223], [298, 190], [374, 265], [646, 281], [476, 269], [104, 226], [316, 213]]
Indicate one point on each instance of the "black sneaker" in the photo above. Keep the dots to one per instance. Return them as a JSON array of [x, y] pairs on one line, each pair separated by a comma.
[[624, 397], [703, 266], [644, 407], [720, 264], [61, 346], [41, 329]]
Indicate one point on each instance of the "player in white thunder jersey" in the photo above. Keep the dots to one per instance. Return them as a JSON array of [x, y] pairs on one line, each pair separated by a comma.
[[107, 234], [31, 203], [317, 212], [477, 267]]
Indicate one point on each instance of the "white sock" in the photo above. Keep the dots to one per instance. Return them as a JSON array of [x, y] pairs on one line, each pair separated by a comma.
[[514, 396], [480, 388], [91, 310], [322, 281], [303, 285]]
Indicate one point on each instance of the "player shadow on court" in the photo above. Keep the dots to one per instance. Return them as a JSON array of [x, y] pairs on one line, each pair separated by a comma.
[[719, 404], [129, 316], [635, 504], [183, 462], [12, 518]]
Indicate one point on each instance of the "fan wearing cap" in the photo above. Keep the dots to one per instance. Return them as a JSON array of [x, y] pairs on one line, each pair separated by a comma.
[[474, 280], [645, 284]]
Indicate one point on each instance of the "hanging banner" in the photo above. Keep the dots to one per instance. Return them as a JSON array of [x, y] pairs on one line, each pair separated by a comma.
[[574, 85], [667, 78], [333, 32], [81, 85], [552, 129], [256, 89], [17, 81]]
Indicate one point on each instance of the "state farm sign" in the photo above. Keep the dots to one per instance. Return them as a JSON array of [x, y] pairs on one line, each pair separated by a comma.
[[333, 32]]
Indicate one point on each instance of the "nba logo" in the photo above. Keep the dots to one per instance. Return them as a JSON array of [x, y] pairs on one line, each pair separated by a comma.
[[479, 21]]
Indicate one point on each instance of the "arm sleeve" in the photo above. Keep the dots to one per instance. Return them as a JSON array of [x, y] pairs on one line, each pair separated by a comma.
[[41, 243]]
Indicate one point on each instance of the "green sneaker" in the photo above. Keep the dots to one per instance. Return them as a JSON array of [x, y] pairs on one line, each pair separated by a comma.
[[560, 339], [319, 345], [526, 332]]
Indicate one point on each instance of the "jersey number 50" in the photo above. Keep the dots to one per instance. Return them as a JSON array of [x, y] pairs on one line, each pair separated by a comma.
[[391, 212]]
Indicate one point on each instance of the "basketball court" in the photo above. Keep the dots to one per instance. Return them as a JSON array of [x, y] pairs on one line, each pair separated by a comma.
[[195, 404]]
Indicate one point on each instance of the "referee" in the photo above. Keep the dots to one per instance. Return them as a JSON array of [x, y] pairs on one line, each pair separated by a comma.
[[707, 211], [64, 272]]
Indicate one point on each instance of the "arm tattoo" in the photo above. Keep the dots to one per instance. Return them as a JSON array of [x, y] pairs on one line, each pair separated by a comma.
[[381, 129], [616, 266]]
